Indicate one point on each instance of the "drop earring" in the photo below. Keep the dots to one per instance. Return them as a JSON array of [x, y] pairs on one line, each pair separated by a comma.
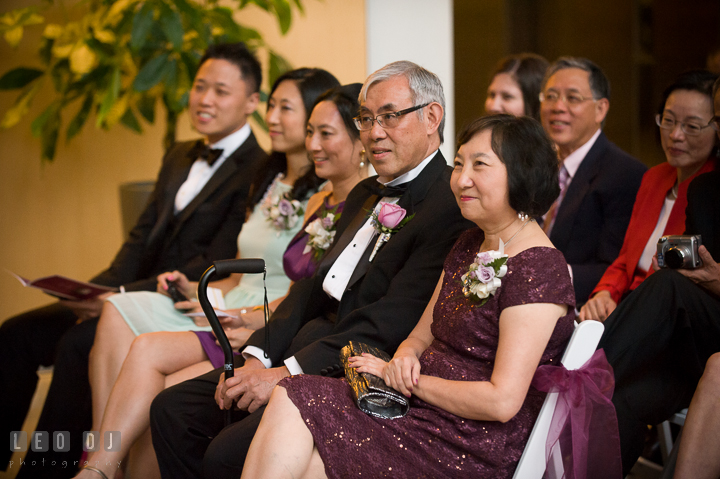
[[522, 216], [362, 158]]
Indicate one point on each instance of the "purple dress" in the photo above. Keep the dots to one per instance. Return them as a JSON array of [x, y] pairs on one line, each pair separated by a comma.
[[296, 264], [430, 442]]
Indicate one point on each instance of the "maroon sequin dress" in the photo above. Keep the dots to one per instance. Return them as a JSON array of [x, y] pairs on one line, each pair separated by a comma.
[[430, 442]]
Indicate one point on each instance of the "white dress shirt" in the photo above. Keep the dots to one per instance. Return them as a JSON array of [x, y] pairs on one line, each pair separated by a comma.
[[338, 276], [201, 172]]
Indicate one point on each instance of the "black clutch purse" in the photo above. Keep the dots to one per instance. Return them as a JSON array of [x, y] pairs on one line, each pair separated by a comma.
[[370, 392]]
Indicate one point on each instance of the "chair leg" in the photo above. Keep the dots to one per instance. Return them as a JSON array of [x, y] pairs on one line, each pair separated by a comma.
[[666, 441]]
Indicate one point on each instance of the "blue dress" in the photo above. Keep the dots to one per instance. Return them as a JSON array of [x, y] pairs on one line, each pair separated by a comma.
[[147, 312]]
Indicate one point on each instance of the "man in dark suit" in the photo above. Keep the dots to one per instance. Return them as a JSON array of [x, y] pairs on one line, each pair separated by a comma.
[[598, 180], [193, 217], [350, 297], [660, 337]]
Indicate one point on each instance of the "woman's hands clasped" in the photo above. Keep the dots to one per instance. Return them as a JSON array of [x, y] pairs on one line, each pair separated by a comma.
[[402, 373]]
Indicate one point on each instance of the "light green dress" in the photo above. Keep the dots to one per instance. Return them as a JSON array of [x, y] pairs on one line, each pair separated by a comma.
[[147, 312]]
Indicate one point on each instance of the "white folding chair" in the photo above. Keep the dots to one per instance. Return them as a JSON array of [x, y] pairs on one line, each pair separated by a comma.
[[532, 465]]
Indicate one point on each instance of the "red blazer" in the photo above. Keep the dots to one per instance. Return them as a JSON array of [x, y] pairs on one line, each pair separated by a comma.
[[623, 274]]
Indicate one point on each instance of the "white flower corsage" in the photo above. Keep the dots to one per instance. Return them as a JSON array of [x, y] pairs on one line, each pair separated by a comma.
[[283, 212], [483, 277], [321, 232]]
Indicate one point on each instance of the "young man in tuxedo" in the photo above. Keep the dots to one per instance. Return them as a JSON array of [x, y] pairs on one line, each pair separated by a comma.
[[350, 297], [193, 217]]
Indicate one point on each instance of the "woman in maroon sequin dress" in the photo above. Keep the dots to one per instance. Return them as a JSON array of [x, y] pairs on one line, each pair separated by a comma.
[[468, 365]]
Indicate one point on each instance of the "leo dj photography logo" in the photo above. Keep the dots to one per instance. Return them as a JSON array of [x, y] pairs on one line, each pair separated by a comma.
[[40, 441]]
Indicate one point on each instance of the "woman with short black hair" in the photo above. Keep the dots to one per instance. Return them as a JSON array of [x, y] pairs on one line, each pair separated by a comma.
[[504, 304]]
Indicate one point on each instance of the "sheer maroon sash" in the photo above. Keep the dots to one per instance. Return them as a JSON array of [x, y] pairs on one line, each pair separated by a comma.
[[584, 424]]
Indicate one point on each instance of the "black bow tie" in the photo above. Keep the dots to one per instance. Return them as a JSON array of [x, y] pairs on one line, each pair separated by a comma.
[[201, 150], [390, 191]]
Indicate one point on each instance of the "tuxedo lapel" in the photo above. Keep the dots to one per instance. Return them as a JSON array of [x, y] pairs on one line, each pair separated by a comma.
[[168, 193], [576, 191], [225, 171], [415, 193], [348, 234]]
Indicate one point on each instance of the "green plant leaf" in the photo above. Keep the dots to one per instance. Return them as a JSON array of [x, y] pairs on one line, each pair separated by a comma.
[[22, 104], [186, 8], [170, 76], [60, 73], [50, 136], [151, 74], [110, 97], [171, 25], [278, 66], [46, 126], [45, 50], [259, 120], [223, 18], [142, 22], [184, 99], [299, 6], [190, 60], [249, 34], [18, 78], [283, 14], [146, 106], [78, 121], [36, 127], [130, 121]]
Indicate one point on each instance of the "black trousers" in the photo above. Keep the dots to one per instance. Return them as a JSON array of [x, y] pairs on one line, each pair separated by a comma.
[[68, 406], [658, 341], [189, 433], [27, 341]]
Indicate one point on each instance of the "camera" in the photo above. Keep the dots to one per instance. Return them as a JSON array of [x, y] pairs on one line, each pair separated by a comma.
[[679, 251]]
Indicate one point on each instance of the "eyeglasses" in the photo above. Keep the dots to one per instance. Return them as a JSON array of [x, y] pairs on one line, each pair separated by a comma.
[[385, 120], [691, 129], [571, 98], [715, 123]]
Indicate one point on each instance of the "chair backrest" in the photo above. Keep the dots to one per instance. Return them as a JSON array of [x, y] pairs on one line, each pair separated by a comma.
[[532, 465]]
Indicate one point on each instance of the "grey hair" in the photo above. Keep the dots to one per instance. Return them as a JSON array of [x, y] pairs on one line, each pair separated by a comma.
[[599, 83], [425, 86]]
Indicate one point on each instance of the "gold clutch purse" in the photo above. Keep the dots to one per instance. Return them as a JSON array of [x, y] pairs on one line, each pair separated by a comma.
[[370, 392]]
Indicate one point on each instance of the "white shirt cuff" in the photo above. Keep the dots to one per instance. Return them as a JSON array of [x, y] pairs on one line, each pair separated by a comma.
[[293, 366], [255, 352]]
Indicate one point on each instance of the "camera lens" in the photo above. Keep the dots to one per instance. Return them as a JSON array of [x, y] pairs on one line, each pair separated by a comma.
[[674, 258]]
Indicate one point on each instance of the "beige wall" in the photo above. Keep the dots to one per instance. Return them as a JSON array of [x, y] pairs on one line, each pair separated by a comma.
[[64, 217]]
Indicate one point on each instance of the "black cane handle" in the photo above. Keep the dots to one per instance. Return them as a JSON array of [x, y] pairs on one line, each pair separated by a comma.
[[222, 268]]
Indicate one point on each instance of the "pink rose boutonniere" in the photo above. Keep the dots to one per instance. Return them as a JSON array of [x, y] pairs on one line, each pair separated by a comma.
[[483, 276], [387, 220]]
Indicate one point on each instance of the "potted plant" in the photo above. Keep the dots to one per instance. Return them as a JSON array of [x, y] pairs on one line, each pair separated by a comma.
[[118, 59]]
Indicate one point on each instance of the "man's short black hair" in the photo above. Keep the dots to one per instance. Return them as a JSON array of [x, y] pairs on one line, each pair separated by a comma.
[[528, 155], [239, 55]]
